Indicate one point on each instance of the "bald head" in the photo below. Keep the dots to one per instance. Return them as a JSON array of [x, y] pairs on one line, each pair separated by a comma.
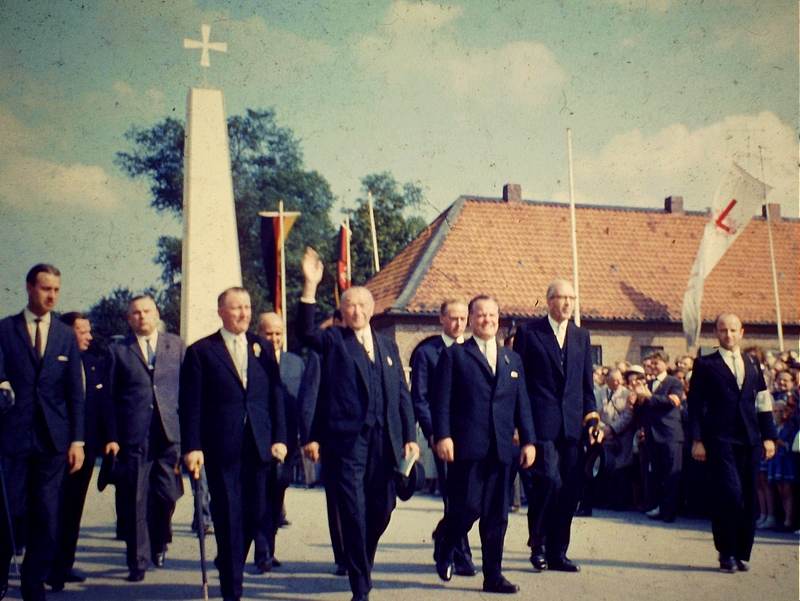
[[270, 326]]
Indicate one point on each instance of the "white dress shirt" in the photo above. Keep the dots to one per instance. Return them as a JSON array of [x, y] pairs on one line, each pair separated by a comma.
[[733, 359], [44, 327], [450, 341], [237, 347], [559, 329], [364, 336], [659, 380], [489, 350], [142, 340]]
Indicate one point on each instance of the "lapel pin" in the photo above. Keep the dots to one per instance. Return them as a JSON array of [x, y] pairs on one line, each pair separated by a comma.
[[389, 361]]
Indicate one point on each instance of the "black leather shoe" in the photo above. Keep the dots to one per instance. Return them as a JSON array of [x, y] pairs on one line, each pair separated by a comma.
[[465, 568], [135, 576], [55, 581], [502, 586], [360, 597], [726, 565], [33, 593], [583, 513], [340, 570], [73, 575], [562, 565], [444, 567], [159, 558], [538, 559], [740, 565], [668, 517], [265, 565]]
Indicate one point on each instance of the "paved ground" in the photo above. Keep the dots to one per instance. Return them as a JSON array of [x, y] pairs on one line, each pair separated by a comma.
[[623, 556]]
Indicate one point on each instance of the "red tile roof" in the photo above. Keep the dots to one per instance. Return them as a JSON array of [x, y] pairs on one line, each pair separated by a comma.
[[633, 263]]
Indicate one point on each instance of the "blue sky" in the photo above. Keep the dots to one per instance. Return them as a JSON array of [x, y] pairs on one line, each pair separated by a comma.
[[661, 96]]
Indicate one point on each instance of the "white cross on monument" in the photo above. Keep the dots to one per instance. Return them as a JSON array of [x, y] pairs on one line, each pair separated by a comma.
[[205, 45]]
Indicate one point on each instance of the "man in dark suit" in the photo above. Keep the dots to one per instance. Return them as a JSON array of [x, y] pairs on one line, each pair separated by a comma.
[[41, 427], [733, 430], [310, 435], [558, 372], [232, 422], [659, 403], [453, 317], [270, 326], [145, 375], [101, 437], [478, 401], [365, 409]]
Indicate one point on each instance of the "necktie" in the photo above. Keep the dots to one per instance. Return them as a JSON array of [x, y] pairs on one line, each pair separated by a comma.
[[491, 355], [151, 356], [239, 357], [656, 384], [37, 342], [370, 354], [738, 369]]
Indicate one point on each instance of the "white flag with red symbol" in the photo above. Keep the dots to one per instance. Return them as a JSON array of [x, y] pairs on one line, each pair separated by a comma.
[[738, 198]]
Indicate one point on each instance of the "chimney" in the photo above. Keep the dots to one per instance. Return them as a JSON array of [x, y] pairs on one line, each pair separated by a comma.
[[673, 204], [774, 212], [512, 193]]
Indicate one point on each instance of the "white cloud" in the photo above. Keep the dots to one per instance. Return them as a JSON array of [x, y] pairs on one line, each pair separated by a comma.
[[27, 181], [14, 134], [415, 49], [636, 170]]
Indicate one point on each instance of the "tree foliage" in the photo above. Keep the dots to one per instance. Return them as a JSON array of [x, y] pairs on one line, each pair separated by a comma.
[[266, 167], [395, 227]]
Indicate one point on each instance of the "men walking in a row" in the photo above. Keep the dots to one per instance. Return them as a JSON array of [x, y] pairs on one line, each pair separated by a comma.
[[41, 428], [478, 400]]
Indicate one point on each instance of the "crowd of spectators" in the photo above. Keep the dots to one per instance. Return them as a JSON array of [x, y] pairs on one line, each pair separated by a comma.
[[633, 485]]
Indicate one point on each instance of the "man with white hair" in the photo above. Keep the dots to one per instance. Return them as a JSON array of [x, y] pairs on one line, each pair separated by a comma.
[[368, 419]]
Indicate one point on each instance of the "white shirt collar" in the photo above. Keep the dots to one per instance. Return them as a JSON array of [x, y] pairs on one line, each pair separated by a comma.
[[30, 317], [230, 337], [729, 355], [450, 341], [364, 336], [662, 376]]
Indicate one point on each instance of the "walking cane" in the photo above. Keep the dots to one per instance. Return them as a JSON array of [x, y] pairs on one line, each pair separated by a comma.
[[8, 515], [201, 531]]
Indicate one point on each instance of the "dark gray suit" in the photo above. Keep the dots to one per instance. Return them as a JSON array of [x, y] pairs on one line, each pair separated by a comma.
[[146, 403], [35, 435]]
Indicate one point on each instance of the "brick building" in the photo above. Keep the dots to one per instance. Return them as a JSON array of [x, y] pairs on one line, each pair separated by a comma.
[[634, 265]]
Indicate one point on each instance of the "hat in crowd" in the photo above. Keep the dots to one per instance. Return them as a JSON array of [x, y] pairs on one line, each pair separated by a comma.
[[634, 369], [407, 485]]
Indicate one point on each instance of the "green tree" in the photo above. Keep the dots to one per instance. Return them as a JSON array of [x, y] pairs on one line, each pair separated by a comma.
[[395, 223], [266, 166]]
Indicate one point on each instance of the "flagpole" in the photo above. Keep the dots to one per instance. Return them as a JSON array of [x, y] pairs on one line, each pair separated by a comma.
[[772, 257], [374, 233], [347, 229], [283, 275], [574, 232]]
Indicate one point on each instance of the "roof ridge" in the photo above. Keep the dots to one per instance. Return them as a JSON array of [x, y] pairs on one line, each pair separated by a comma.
[[434, 244]]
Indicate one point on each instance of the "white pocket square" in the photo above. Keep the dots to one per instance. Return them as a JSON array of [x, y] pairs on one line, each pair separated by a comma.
[[63, 358], [389, 361], [99, 386], [514, 374]]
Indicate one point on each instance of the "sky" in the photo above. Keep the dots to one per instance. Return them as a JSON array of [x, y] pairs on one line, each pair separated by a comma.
[[460, 98]]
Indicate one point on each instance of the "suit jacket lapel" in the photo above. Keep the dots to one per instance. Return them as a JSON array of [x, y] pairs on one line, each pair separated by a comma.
[[550, 343], [22, 329], [133, 347], [725, 371], [218, 345], [357, 352], [471, 347], [503, 364]]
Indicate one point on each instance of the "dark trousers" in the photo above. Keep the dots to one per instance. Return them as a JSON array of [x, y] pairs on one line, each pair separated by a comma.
[[462, 554], [552, 486], [33, 483], [478, 490], [734, 501], [75, 487], [148, 492], [363, 472], [271, 523], [238, 502], [667, 462], [334, 521]]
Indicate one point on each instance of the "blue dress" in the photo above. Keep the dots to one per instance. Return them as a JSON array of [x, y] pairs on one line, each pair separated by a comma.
[[781, 467]]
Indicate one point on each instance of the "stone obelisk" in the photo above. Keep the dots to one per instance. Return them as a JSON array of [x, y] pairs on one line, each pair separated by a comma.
[[210, 242]]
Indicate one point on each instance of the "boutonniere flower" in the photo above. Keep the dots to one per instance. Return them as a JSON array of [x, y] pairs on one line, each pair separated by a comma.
[[256, 349]]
